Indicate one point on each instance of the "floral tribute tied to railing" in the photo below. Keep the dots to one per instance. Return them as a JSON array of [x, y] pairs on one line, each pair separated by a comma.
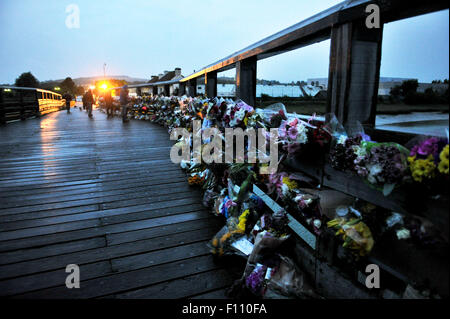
[[256, 232]]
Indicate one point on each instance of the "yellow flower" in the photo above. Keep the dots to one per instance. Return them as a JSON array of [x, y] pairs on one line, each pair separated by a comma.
[[243, 220], [225, 237], [443, 164], [290, 183], [215, 242], [355, 234], [422, 168], [444, 154]]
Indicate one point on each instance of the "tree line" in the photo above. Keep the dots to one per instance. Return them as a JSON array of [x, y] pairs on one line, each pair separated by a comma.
[[27, 79], [407, 93]]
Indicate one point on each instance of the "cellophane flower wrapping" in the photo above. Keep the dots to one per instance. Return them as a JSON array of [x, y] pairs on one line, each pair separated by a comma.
[[355, 234]]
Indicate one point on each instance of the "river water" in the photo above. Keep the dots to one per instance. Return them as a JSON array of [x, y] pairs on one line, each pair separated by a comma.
[[426, 123]]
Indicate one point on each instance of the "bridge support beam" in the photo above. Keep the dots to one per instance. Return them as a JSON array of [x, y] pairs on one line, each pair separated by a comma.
[[211, 84], [246, 80], [354, 73], [192, 88]]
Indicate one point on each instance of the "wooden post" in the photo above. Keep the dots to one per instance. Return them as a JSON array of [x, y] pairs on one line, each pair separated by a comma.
[[246, 80], [138, 91], [154, 90], [192, 87], [354, 73], [182, 89], [211, 84]]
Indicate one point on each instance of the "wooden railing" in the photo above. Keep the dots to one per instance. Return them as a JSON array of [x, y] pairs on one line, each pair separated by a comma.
[[25, 106]]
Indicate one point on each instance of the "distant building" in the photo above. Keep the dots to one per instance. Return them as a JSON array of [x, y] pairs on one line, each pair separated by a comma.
[[385, 85], [170, 76]]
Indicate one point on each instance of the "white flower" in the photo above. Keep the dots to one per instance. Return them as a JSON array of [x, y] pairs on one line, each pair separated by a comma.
[[374, 170], [317, 223], [184, 164], [395, 218], [403, 233], [240, 114], [342, 139], [285, 189], [302, 137], [359, 151]]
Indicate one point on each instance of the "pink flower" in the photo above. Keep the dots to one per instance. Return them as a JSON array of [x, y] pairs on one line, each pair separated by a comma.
[[292, 132], [294, 122], [229, 203]]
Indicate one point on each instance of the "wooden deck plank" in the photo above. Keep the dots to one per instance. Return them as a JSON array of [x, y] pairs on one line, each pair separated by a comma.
[[183, 288], [103, 195], [131, 280]]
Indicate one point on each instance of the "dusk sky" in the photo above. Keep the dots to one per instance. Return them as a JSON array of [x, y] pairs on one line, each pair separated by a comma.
[[143, 38]]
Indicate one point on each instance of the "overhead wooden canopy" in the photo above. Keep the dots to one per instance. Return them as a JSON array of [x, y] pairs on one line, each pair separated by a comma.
[[318, 28]]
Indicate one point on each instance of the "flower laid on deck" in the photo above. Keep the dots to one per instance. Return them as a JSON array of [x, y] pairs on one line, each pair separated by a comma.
[[243, 220], [230, 193], [255, 280], [196, 180], [355, 234]]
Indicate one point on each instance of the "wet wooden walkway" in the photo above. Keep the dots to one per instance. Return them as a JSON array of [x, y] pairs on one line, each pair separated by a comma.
[[103, 195]]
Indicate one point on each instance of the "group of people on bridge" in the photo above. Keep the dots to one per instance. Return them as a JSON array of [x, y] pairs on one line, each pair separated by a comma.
[[88, 101]]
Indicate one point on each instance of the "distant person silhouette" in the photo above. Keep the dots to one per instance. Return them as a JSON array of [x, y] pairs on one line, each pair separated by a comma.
[[89, 101], [108, 103], [124, 100], [68, 99]]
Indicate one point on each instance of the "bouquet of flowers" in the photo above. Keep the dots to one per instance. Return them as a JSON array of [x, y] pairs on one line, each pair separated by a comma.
[[428, 159], [221, 244], [293, 134], [355, 234], [345, 152], [383, 165]]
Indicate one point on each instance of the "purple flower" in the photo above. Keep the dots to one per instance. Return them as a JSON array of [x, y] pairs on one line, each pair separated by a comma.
[[255, 280], [427, 147], [365, 137], [293, 132]]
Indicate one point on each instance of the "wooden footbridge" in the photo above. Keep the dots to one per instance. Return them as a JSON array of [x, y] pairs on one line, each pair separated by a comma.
[[105, 196]]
